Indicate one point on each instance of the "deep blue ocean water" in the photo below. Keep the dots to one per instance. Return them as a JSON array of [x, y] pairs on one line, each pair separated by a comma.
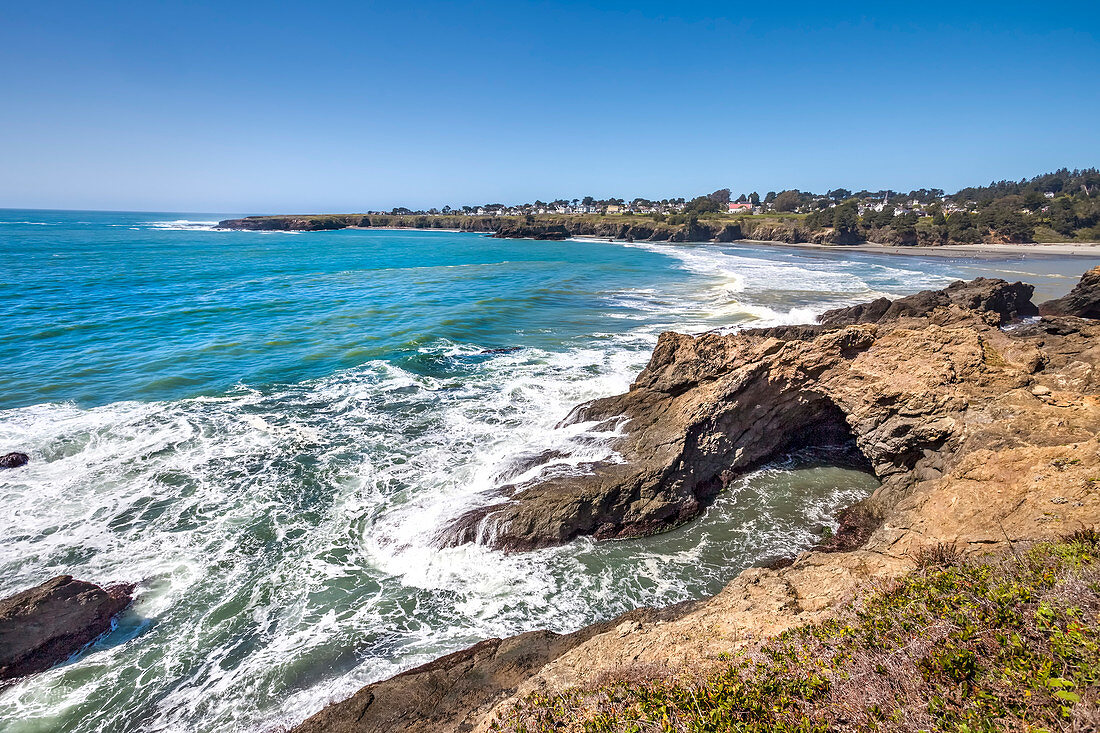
[[265, 430]]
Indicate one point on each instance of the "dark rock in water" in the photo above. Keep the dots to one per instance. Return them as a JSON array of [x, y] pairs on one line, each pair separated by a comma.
[[14, 460], [1000, 301], [447, 695], [519, 230], [503, 350], [49, 623], [856, 525], [1083, 301]]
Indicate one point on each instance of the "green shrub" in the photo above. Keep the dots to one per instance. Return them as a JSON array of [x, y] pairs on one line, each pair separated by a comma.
[[1011, 642]]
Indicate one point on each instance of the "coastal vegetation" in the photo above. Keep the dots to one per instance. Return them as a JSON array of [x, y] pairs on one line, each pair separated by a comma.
[[1063, 206], [1006, 642]]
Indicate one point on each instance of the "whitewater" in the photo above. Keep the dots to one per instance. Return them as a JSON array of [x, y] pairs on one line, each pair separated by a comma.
[[265, 431]]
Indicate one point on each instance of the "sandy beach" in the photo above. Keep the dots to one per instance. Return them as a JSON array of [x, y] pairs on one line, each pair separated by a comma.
[[1059, 249]]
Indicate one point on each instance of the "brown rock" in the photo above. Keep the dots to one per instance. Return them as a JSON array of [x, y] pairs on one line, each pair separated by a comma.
[[446, 696], [1083, 301], [939, 399], [905, 380], [996, 299], [14, 460], [49, 623]]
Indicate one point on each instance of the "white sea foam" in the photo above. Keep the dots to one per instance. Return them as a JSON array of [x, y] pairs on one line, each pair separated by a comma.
[[284, 538], [184, 225]]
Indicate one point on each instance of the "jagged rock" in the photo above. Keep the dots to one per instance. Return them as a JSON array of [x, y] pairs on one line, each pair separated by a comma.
[[49, 623], [519, 230], [996, 300], [446, 695], [981, 434], [1083, 301], [14, 460], [909, 381]]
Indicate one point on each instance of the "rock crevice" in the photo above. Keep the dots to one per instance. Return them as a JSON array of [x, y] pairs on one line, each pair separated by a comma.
[[897, 378], [981, 428]]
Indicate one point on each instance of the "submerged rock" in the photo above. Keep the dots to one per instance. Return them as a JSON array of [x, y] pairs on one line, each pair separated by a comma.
[[502, 350], [50, 622], [14, 460], [1083, 301]]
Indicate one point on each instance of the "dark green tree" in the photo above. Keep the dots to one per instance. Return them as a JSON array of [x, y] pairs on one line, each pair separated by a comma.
[[788, 200], [846, 223]]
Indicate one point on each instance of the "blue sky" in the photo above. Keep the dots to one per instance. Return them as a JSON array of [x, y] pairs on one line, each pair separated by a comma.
[[250, 107]]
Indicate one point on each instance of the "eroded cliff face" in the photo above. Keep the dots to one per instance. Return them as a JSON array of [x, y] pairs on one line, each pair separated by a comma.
[[982, 428], [912, 382], [330, 222], [550, 227]]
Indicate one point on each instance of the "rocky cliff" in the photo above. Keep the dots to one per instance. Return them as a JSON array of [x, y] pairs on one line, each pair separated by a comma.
[[982, 427], [772, 227], [710, 407], [632, 228]]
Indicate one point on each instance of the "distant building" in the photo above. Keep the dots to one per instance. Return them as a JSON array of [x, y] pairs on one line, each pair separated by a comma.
[[613, 209], [744, 208]]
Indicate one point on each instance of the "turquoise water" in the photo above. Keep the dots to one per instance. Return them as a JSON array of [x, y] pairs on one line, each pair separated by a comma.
[[265, 430]]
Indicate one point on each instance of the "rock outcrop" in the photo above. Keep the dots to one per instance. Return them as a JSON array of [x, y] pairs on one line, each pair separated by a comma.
[[982, 430], [1083, 301], [447, 695], [911, 382], [49, 623], [14, 460]]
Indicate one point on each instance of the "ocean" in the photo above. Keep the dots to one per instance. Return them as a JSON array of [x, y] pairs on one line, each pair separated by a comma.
[[265, 430]]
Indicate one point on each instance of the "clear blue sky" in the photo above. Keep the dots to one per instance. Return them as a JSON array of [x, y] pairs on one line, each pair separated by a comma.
[[257, 107]]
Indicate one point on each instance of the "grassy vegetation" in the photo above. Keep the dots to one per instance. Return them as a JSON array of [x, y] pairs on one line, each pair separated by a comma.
[[1007, 643]]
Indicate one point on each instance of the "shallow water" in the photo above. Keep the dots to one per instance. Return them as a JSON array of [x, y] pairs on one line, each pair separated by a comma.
[[266, 429]]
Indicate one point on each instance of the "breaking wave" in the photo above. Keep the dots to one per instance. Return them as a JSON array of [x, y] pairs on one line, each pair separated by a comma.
[[282, 533]]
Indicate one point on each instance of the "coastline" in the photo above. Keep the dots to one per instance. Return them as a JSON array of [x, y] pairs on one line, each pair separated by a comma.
[[624, 232], [983, 251], [979, 251], [957, 453], [763, 231], [410, 229]]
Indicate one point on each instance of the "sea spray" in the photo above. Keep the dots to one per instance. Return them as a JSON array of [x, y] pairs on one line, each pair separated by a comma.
[[267, 433]]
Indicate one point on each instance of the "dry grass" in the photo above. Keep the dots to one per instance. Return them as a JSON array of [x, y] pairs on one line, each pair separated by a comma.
[[941, 555]]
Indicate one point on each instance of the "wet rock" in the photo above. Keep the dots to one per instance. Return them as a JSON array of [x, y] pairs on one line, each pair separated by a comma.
[[906, 381], [49, 623], [445, 696], [1083, 301], [940, 401], [14, 460]]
